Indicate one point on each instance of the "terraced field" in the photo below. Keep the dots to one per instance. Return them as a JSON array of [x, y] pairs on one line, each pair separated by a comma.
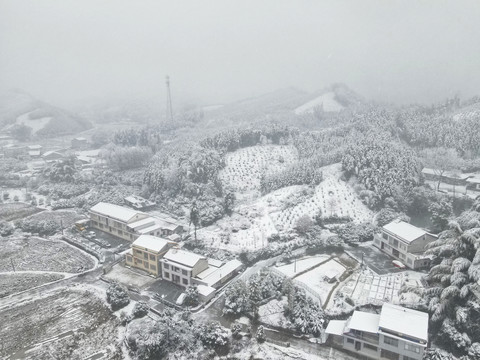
[[37, 254], [72, 324], [244, 167]]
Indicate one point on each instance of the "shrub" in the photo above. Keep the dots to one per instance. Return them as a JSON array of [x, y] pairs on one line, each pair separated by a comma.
[[117, 296], [140, 309], [5, 228], [191, 296], [260, 335]]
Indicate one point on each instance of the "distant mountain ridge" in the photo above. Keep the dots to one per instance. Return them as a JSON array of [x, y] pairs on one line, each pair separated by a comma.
[[46, 120]]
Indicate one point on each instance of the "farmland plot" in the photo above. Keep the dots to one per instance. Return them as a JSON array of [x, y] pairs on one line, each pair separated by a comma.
[[12, 283], [332, 196], [72, 324], [16, 210], [62, 217], [316, 280], [244, 167], [37, 254]]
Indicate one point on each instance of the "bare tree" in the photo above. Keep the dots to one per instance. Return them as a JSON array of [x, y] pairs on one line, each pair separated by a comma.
[[441, 160]]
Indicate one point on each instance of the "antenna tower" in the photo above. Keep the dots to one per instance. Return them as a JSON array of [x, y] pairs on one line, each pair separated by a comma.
[[169, 112]]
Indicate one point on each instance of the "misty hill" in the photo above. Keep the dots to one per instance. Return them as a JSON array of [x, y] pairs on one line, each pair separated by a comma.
[[45, 120], [284, 105]]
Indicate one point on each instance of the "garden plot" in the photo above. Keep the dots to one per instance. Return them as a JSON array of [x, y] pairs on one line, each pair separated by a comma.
[[72, 324], [65, 218], [37, 254], [332, 196], [12, 283], [16, 210], [368, 288], [272, 312], [301, 265], [244, 167], [316, 279]]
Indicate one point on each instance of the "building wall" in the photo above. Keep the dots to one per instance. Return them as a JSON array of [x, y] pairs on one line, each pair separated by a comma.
[[144, 259], [115, 227], [399, 250], [175, 274], [387, 348]]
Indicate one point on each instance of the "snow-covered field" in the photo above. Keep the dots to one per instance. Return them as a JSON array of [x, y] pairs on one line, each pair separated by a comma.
[[272, 312], [327, 101], [37, 254], [253, 222], [315, 279], [244, 167], [368, 288], [332, 196], [15, 282], [36, 124], [301, 265], [72, 324]]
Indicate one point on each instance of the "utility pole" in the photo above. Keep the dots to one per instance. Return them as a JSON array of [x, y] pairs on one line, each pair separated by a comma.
[[295, 266], [13, 266], [169, 110]]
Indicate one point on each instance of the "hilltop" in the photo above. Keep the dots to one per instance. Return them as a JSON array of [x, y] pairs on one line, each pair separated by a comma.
[[45, 120]]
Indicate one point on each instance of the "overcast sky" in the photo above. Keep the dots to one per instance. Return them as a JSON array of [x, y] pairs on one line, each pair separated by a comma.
[[217, 51]]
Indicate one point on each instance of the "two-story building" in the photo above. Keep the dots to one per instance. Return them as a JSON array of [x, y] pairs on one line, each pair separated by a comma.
[[397, 333], [405, 242], [146, 253], [180, 266]]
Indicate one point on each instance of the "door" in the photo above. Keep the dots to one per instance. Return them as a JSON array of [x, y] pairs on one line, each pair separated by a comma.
[[358, 345]]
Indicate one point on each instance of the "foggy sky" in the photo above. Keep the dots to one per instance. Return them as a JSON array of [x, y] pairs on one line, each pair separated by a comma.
[[216, 51]]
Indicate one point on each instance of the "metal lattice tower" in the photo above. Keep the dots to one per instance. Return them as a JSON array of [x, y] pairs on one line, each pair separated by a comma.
[[169, 111]]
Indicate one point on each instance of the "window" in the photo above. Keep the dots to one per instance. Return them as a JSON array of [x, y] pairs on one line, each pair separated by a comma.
[[95, 223], [166, 275], [152, 257], [412, 348], [370, 347], [385, 236], [165, 266], [129, 258], [138, 252], [153, 267], [350, 341], [185, 281], [145, 256], [395, 243], [184, 272], [145, 264], [120, 232], [408, 358], [390, 341]]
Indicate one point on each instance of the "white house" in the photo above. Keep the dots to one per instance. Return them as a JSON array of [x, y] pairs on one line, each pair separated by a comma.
[[405, 242], [397, 333]]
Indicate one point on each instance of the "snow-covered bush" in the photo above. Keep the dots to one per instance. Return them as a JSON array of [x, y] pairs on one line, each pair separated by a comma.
[[260, 335], [213, 335], [117, 296], [191, 296], [5, 228], [140, 309]]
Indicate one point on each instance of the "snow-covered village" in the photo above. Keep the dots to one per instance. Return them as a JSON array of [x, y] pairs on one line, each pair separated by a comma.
[[239, 180]]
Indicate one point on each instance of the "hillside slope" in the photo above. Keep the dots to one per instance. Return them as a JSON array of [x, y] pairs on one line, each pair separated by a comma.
[[45, 120]]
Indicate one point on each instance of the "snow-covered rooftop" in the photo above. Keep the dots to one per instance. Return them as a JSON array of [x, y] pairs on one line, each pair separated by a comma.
[[183, 257], [205, 290], [404, 230], [336, 327], [115, 211], [364, 321], [152, 243], [404, 321], [474, 180], [144, 222], [210, 277]]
